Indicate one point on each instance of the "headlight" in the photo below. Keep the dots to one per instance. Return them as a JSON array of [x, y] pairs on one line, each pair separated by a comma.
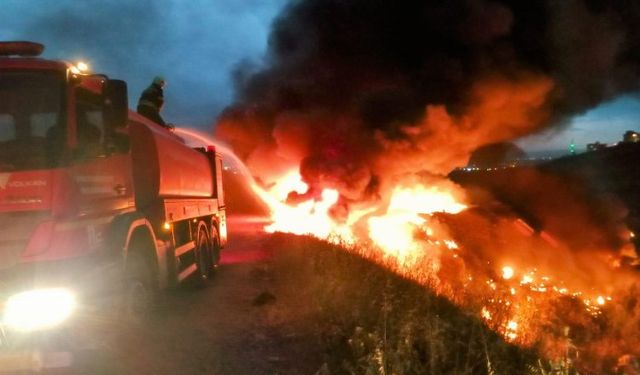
[[38, 309]]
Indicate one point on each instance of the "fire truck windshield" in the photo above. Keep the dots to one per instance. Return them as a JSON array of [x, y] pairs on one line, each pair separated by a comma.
[[32, 132]]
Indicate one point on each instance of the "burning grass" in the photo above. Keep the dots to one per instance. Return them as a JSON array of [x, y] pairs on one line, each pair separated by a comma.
[[373, 321], [375, 317]]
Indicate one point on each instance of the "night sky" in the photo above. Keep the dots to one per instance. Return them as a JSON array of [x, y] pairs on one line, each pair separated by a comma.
[[198, 44], [605, 124], [194, 44]]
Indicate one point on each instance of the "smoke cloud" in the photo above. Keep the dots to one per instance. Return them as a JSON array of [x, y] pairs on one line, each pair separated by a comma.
[[359, 93]]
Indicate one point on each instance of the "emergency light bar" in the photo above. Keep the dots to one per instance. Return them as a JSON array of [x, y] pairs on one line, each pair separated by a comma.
[[20, 48]]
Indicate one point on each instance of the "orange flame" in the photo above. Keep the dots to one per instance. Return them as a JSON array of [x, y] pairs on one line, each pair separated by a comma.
[[394, 232]]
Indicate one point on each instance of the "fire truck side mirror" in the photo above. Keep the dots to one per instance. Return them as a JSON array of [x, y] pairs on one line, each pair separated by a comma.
[[116, 103]]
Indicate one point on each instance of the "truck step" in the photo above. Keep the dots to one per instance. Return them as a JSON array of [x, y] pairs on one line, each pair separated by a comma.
[[186, 272], [180, 250]]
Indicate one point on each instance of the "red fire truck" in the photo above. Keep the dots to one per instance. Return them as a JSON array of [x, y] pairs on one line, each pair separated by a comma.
[[95, 200]]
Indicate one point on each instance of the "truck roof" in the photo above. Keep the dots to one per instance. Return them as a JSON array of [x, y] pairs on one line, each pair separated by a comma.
[[32, 63], [25, 55]]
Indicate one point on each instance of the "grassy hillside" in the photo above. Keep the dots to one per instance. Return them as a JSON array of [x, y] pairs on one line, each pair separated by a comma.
[[367, 320]]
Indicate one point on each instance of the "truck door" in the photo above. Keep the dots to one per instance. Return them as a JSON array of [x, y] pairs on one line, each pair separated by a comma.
[[102, 174]]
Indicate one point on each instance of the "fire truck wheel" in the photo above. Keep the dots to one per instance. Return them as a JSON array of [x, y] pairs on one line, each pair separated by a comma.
[[215, 252], [138, 290], [202, 258]]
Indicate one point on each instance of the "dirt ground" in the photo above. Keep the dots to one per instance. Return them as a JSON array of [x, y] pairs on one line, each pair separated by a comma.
[[238, 324]]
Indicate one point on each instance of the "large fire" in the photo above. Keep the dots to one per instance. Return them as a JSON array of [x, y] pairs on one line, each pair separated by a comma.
[[518, 281], [516, 301]]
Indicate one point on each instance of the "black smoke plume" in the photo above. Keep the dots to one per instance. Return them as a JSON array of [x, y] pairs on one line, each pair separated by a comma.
[[358, 92]]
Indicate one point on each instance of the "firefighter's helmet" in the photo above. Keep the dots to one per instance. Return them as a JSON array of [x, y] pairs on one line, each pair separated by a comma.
[[159, 80]]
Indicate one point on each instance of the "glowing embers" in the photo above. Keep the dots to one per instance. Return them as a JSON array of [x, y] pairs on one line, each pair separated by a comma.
[[511, 331], [507, 272], [485, 314], [518, 304]]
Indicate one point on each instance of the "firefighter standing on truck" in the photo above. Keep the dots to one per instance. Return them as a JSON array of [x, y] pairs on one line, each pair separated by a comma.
[[151, 102]]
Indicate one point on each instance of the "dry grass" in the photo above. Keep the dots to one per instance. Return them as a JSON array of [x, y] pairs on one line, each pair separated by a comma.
[[371, 321]]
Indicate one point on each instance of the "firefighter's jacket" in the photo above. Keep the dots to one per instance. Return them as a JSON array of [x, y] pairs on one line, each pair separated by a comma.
[[150, 103]]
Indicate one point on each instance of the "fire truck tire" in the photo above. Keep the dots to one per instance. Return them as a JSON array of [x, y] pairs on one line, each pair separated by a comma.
[[139, 293], [202, 257], [215, 252]]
